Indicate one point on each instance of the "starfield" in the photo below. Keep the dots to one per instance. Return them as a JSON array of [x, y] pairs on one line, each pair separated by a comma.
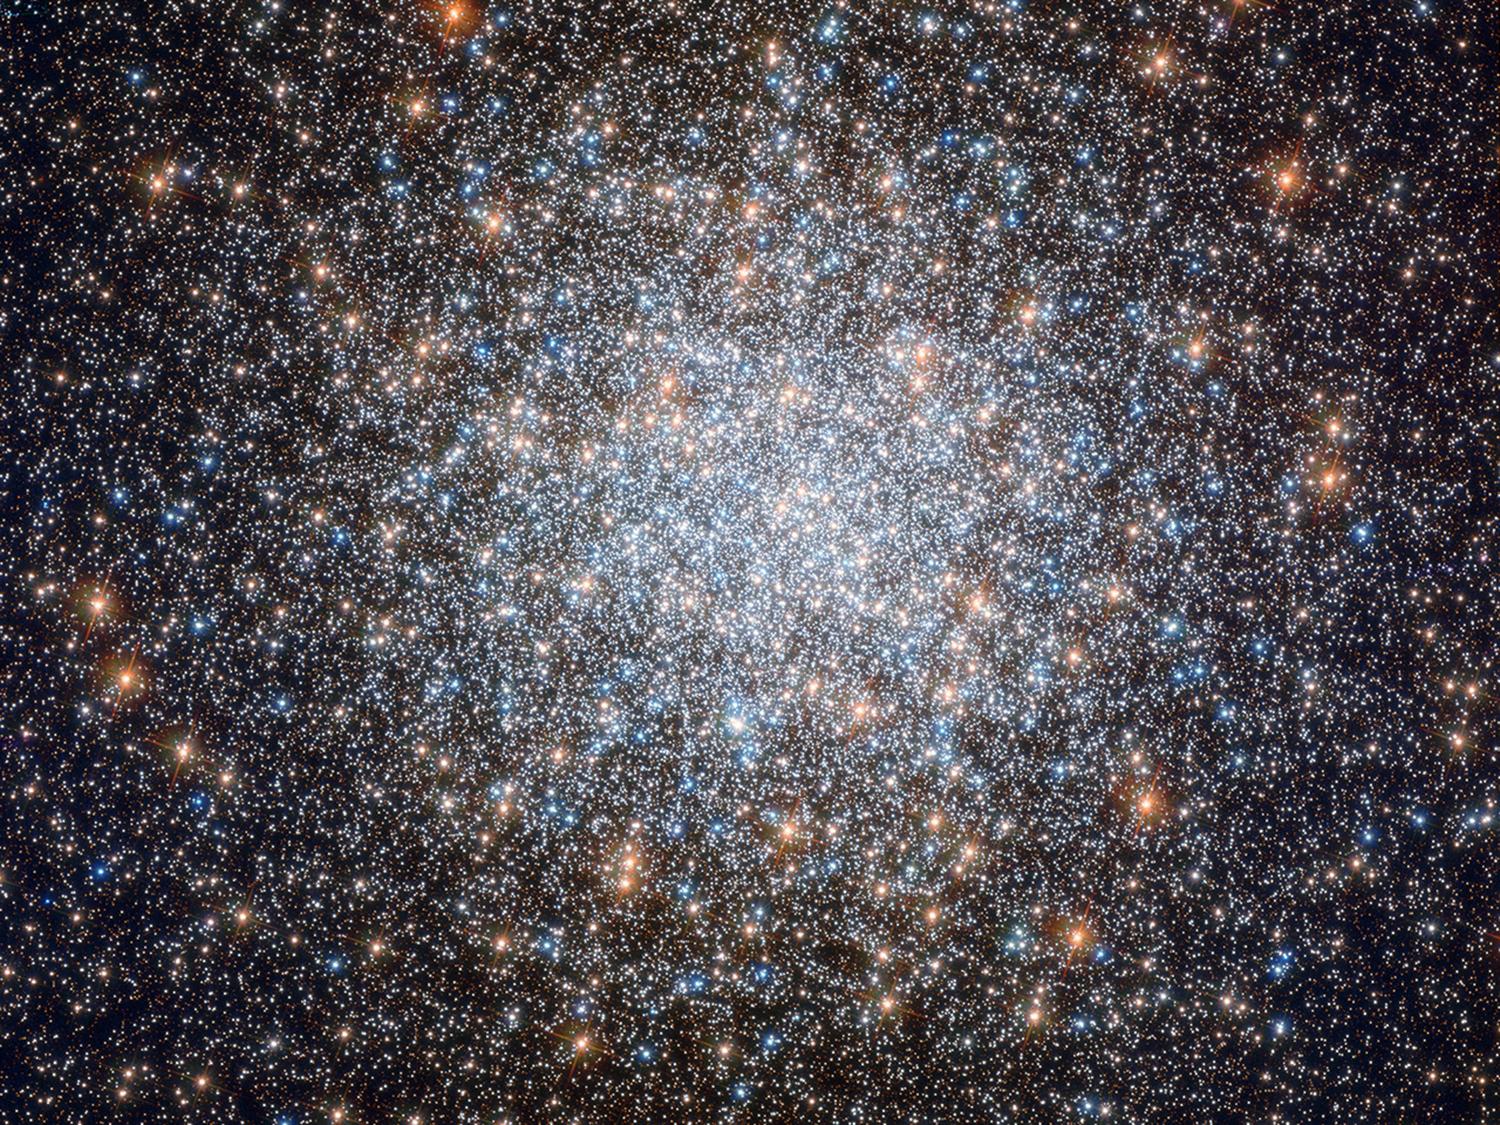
[[734, 562]]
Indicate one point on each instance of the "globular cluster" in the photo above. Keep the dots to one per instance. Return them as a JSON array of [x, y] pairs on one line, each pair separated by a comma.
[[822, 561]]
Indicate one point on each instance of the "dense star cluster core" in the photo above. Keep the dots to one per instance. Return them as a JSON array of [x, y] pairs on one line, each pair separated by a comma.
[[756, 563]]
